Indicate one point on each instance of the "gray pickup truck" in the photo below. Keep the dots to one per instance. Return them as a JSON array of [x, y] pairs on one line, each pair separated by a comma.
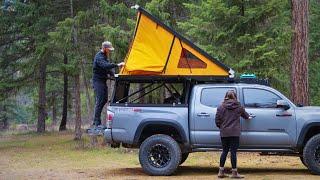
[[168, 129]]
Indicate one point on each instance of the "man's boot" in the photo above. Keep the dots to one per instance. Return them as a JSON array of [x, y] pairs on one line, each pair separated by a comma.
[[221, 173], [235, 174]]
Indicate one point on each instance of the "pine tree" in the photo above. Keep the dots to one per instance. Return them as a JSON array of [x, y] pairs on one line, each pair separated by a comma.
[[249, 36], [299, 64], [314, 52]]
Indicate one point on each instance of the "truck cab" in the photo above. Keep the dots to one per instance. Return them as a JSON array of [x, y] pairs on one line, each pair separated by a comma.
[[270, 121]]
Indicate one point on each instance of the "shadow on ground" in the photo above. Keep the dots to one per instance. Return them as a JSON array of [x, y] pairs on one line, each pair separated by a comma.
[[203, 171]]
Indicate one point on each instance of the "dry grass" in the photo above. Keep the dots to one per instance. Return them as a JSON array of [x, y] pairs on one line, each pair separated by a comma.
[[57, 156]]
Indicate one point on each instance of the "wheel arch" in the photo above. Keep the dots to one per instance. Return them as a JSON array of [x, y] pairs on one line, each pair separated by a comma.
[[307, 131], [162, 124]]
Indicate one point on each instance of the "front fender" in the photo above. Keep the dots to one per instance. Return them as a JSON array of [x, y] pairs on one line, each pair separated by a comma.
[[306, 127]]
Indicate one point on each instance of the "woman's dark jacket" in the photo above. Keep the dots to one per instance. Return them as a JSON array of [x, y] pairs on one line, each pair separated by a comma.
[[228, 118]]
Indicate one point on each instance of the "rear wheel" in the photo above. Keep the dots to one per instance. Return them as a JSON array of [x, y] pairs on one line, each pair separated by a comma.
[[159, 155], [184, 157], [311, 154], [302, 160]]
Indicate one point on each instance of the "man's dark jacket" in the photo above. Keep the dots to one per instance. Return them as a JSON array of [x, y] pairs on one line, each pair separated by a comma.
[[102, 67], [228, 118]]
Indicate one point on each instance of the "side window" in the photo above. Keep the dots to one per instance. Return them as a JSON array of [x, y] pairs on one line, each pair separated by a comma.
[[213, 97], [260, 98]]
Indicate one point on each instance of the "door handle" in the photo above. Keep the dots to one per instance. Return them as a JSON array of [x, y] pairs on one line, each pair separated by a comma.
[[252, 115], [203, 114], [284, 114]]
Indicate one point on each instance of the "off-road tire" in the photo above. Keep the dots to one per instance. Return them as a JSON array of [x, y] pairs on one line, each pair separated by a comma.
[[169, 150], [184, 157], [311, 152]]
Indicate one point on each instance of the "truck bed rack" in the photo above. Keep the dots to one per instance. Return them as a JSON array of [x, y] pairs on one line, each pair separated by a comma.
[[193, 79]]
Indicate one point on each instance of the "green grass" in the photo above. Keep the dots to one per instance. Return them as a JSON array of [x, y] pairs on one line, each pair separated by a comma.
[[42, 150]]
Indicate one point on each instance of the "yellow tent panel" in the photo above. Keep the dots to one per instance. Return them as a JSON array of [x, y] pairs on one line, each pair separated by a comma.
[[158, 50], [150, 47]]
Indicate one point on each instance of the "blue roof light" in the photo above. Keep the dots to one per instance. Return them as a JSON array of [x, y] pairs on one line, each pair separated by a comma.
[[253, 76]]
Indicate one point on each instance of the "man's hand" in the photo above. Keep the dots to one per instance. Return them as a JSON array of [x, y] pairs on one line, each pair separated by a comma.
[[121, 64]]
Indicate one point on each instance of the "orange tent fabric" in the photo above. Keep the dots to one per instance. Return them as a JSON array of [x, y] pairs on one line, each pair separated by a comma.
[[158, 50]]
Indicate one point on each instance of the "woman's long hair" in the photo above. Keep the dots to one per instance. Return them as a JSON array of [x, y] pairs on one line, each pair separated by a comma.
[[230, 95]]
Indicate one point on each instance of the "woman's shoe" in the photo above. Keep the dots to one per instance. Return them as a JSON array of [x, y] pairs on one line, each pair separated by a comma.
[[221, 173], [235, 174]]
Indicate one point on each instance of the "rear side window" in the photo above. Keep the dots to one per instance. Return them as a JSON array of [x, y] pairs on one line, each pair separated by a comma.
[[213, 97], [260, 98]]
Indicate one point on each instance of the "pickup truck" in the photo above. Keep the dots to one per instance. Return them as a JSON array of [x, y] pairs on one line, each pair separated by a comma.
[[166, 132]]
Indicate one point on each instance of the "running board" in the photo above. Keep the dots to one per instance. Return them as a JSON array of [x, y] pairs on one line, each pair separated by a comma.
[[280, 154], [246, 150]]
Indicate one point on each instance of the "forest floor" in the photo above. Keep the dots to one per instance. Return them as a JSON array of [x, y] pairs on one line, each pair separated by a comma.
[[57, 156]]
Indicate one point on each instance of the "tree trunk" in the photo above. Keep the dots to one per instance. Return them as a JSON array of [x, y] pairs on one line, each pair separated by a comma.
[[78, 132], [5, 123], [141, 100], [5, 118], [111, 87], [42, 98], [242, 8], [54, 111], [88, 97], [63, 124], [162, 95], [299, 64]]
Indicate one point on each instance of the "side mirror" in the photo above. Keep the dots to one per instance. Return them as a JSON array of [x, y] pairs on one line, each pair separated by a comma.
[[300, 105], [283, 104]]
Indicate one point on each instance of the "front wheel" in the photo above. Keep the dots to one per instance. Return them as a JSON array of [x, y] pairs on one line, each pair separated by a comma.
[[311, 154], [159, 155]]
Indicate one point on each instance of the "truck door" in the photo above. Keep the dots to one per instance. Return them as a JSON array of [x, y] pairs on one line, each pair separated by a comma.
[[203, 128], [271, 126]]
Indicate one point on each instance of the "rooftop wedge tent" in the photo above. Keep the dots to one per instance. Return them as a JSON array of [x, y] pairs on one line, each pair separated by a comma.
[[157, 49]]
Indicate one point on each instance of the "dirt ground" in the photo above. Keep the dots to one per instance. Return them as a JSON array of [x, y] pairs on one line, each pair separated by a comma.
[[57, 156]]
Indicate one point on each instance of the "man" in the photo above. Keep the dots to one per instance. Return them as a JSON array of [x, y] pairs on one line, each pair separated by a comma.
[[101, 69]]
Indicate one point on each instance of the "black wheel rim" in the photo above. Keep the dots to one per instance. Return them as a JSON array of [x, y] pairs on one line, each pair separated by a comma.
[[317, 154], [159, 156]]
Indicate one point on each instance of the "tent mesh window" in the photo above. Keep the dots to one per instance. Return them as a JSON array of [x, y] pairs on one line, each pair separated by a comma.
[[150, 93], [189, 60]]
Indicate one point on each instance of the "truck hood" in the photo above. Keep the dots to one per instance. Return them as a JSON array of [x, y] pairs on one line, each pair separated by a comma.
[[309, 108], [307, 114]]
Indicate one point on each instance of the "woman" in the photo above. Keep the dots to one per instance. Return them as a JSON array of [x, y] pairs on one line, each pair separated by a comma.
[[228, 121]]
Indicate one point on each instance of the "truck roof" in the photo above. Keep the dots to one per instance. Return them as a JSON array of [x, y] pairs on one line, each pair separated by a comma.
[[231, 84]]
